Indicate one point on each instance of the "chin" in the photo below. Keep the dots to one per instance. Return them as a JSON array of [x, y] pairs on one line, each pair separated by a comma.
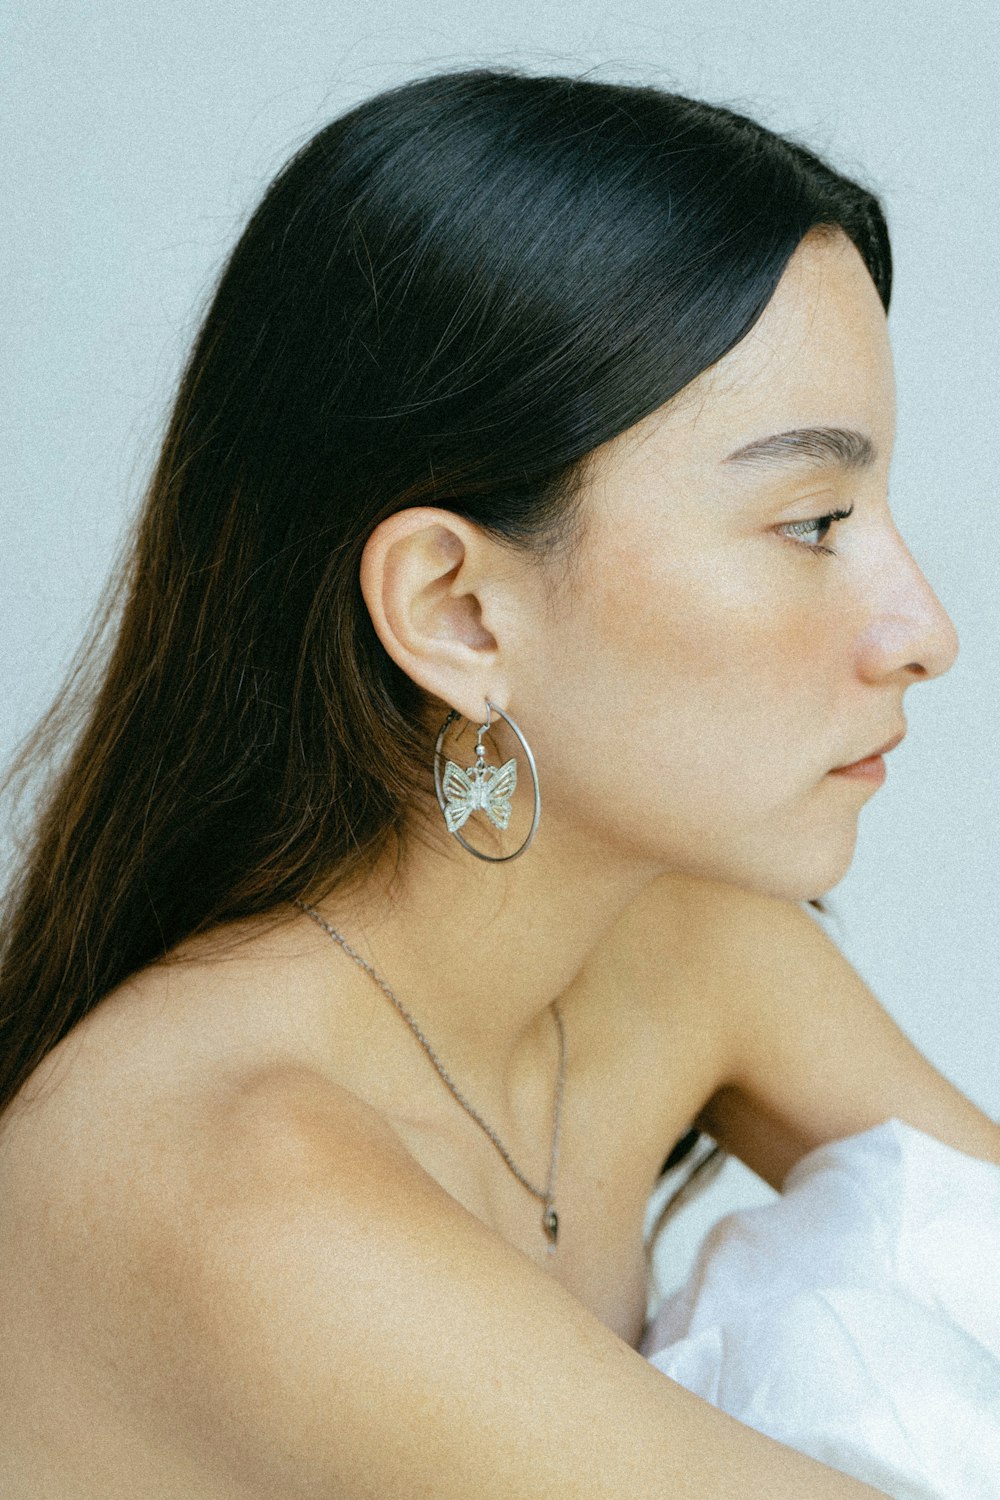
[[820, 873], [799, 871]]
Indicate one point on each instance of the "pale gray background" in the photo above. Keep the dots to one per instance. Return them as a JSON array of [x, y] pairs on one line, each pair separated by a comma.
[[140, 135]]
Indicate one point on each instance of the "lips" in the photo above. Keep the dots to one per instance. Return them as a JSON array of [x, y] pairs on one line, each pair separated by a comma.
[[874, 754]]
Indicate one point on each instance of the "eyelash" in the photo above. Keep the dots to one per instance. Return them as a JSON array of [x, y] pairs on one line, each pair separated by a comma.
[[824, 522]]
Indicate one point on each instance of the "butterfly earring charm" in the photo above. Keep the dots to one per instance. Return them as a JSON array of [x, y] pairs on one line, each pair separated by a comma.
[[490, 788]]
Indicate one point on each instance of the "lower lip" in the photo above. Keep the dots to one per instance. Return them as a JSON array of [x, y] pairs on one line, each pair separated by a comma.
[[872, 769]]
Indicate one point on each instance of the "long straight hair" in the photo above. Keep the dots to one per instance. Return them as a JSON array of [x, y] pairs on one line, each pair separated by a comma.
[[450, 296]]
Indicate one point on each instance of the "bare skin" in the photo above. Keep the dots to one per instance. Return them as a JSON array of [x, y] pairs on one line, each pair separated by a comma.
[[252, 1247]]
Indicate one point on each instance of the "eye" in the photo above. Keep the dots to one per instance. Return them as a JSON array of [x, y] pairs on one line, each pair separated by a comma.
[[797, 531]]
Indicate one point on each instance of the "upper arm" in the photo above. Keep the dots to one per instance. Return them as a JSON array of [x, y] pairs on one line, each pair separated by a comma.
[[329, 1322], [813, 1055]]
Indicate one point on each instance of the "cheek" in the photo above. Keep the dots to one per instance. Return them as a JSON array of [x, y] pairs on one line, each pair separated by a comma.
[[707, 624], [689, 712], [724, 666]]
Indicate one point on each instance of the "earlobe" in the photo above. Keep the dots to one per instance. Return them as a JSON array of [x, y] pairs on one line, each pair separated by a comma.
[[418, 575]]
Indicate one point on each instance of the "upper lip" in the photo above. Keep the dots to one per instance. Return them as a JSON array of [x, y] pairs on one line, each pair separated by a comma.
[[872, 754]]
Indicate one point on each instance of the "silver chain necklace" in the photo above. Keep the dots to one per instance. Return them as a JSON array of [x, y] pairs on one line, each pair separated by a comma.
[[546, 1195]]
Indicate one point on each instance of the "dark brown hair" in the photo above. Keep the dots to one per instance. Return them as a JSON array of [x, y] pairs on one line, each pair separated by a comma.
[[450, 296]]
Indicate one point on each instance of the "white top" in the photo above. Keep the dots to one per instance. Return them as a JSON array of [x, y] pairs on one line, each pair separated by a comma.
[[857, 1317]]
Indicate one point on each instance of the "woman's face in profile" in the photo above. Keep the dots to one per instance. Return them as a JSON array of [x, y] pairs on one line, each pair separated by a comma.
[[715, 663]]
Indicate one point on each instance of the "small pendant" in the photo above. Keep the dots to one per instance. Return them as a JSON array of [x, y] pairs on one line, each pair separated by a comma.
[[550, 1223]]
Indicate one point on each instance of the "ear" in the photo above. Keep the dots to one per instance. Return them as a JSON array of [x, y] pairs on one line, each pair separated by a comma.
[[434, 586]]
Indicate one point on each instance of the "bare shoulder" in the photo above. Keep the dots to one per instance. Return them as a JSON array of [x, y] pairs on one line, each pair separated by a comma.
[[198, 1078], [176, 1036], [706, 940], [319, 1316], [808, 1052], [277, 1295], [672, 963], [167, 1074]]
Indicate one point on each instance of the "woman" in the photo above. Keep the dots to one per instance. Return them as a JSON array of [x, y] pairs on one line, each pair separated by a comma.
[[534, 421]]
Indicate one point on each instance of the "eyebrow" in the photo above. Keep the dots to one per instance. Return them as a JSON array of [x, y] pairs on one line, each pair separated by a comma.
[[813, 447]]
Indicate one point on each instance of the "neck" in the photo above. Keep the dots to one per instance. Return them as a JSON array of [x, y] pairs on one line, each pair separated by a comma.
[[479, 952]]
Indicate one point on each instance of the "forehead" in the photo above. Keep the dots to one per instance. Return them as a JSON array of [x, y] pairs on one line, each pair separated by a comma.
[[818, 357]]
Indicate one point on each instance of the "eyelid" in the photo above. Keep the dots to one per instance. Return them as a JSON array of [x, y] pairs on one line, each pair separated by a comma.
[[821, 522]]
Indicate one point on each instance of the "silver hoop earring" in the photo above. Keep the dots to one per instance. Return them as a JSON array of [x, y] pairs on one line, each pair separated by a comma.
[[491, 788]]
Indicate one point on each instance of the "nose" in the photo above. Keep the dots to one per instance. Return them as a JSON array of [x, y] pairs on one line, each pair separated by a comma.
[[910, 634]]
